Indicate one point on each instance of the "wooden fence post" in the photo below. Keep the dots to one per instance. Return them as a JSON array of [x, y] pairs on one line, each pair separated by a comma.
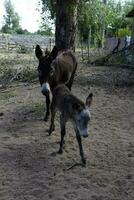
[[82, 50], [50, 44]]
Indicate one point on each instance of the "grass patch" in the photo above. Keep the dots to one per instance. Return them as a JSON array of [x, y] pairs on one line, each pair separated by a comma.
[[38, 108], [15, 67], [27, 74], [6, 95], [9, 74]]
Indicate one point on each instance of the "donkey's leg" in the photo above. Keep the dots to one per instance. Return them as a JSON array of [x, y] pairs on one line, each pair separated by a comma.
[[80, 148], [47, 107], [53, 112], [63, 132]]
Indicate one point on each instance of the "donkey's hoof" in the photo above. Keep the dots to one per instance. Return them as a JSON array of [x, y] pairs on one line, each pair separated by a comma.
[[51, 130], [60, 151], [46, 119], [83, 161], [63, 142], [49, 133]]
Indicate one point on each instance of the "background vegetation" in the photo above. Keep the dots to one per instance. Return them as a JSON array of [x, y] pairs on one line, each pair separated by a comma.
[[96, 19]]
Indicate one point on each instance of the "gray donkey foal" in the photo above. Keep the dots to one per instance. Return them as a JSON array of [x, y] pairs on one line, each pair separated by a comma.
[[72, 109]]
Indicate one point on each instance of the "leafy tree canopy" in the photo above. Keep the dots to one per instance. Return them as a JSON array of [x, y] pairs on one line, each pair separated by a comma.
[[98, 16], [11, 18]]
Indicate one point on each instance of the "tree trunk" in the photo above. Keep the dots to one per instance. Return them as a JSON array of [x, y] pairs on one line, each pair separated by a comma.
[[132, 36], [66, 13], [103, 29]]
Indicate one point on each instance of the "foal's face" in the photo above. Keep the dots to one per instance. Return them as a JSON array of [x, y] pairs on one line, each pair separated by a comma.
[[82, 119], [82, 116]]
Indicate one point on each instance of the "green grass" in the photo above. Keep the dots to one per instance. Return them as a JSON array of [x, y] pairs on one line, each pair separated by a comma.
[[7, 95], [38, 108], [15, 67], [9, 74]]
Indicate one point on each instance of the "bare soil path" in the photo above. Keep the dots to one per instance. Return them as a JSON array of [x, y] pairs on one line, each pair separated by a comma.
[[31, 169]]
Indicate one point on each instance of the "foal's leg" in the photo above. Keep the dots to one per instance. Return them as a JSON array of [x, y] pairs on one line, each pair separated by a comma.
[[53, 112], [63, 132], [80, 147], [47, 107]]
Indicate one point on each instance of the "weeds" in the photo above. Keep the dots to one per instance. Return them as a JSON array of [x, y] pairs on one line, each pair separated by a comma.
[[8, 75], [23, 50], [6, 95], [38, 108], [17, 67], [26, 74]]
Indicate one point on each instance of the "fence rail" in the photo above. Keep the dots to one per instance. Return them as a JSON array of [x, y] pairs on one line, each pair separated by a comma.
[[27, 43], [16, 42]]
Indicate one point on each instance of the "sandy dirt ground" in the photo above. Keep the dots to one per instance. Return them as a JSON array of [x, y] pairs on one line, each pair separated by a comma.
[[31, 169]]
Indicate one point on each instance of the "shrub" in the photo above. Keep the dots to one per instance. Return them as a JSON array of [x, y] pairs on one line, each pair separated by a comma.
[[9, 74], [23, 49]]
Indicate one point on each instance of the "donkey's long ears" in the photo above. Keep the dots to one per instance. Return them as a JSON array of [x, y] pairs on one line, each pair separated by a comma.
[[38, 52], [54, 52], [89, 100]]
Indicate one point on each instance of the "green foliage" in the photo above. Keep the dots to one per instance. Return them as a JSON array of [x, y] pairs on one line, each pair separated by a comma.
[[47, 22], [9, 74], [12, 19], [27, 74], [6, 29], [48, 6], [23, 49], [15, 21], [92, 15], [123, 32], [103, 16], [117, 16], [98, 17], [6, 75], [45, 30], [22, 31]]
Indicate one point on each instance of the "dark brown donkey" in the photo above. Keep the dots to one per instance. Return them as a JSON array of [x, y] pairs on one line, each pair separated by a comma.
[[55, 68], [72, 109]]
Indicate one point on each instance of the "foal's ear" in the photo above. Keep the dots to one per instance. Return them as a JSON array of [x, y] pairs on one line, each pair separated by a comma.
[[38, 52], [54, 53], [89, 100]]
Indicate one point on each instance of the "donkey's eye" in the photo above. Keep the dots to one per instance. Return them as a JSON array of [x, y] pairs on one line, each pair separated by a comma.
[[39, 71], [51, 73]]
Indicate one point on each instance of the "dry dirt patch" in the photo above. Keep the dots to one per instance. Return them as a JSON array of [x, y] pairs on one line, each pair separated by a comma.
[[31, 169]]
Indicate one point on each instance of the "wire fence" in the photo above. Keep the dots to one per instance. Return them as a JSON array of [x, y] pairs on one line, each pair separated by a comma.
[[86, 51], [23, 42]]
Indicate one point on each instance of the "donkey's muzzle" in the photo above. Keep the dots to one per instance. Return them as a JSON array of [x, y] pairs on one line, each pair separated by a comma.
[[85, 136], [45, 92], [45, 89]]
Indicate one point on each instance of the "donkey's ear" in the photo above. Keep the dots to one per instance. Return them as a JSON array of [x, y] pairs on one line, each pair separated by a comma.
[[38, 52], [89, 100], [54, 53]]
